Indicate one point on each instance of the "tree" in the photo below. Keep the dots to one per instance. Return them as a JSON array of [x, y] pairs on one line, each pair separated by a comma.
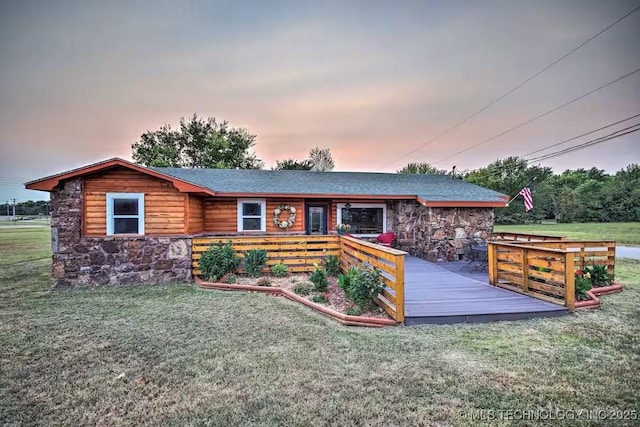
[[321, 159], [199, 143], [424, 168], [293, 165], [509, 176]]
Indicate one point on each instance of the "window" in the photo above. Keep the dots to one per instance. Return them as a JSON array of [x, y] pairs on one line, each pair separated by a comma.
[[125, 213], [366, 220], [251, 214]]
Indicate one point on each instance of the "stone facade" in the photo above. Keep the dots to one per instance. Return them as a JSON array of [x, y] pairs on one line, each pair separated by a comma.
[[92, 261], [438, 234]]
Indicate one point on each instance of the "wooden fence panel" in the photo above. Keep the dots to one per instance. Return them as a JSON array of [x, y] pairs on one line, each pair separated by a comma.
[[543, 273], [390, 263], [586, 252], [299, 253]]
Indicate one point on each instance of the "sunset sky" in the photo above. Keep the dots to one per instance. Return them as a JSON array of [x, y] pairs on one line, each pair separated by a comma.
[[371, 80]]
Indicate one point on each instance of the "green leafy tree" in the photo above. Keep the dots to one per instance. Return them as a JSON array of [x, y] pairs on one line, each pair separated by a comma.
[[198, 143], [509, 176], [424, 168], [293, 165]]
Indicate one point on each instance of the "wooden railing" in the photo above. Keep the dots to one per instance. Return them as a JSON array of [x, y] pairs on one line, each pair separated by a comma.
[[541, 272], [390, 263], [523, 237], [586, 252], [299, 253]]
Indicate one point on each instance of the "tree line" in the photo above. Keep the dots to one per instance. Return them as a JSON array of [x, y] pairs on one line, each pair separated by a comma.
[[581, 195]]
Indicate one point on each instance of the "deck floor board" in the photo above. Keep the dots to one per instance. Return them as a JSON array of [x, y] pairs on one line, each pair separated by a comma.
[[435, 293]]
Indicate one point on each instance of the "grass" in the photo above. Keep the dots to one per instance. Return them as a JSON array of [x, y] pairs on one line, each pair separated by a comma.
[[178, 355], [625, 233]]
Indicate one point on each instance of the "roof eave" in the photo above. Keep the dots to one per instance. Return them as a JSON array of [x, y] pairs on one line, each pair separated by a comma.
[[50, 182]]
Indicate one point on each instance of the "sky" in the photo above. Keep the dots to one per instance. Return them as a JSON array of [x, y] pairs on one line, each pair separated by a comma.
[[80, 81]]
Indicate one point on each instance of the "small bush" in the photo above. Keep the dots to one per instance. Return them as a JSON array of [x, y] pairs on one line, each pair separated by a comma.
[[254, 260], [361, 286], [319, 279], [319, 298], [264, 281], [279, 270], [599, 275], [582, 285], [231, 278], [332, 265], [354, 310], [218, 260], [302, 289]]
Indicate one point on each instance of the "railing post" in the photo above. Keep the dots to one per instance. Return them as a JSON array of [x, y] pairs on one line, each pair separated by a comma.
[[493, 263], [570, 281], [525, 269], [400, 288]]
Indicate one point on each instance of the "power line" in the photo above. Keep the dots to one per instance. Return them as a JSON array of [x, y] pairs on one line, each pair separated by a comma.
[[580, 136], [546, 113], [495, 101], [503, 168], [585, 145]]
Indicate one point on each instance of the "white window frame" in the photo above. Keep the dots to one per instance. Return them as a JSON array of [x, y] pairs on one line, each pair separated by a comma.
[[263, 215], [111, 216], [341, 206]]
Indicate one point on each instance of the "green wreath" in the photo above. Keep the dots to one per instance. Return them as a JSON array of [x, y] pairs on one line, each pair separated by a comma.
[[287, 223]]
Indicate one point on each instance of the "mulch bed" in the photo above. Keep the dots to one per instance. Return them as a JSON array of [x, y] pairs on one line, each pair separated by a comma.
[[336, 298]]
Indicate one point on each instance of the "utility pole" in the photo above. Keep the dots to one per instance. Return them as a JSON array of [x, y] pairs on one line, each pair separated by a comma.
[[8, 215], [14, 209]]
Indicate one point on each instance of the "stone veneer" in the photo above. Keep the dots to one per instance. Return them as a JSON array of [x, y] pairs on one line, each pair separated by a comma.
[[438, 234], [91, 261]]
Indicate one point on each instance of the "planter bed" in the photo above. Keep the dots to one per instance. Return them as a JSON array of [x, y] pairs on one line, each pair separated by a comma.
[[594, 293], [284, 287]]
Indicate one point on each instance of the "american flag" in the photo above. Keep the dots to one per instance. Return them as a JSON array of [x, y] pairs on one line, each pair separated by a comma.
[[528, 199]]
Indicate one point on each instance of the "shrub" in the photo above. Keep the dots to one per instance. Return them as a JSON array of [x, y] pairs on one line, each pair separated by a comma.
[[264, 281], [583, 284], [279, 270], [354, 310], [231, 278], [361, 286], [319, 279], [218, 260], [319, 298], [599, 275], [254, 260], [302, 289], [332, 265]]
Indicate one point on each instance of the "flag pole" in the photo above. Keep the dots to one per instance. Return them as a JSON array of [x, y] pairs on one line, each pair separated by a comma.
[[516, 196]]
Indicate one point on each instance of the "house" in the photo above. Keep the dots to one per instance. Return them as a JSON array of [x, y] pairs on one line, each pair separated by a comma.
[[116, 222]]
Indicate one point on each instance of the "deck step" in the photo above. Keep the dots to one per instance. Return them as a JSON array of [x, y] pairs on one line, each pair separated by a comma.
[[481, 318]]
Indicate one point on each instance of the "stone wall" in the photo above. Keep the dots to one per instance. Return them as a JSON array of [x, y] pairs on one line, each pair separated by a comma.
[[438, 234], [92, 261]]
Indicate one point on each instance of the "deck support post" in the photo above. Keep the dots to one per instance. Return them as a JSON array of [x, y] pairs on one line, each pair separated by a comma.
[[493, 263], [570, 281], [525, 270]]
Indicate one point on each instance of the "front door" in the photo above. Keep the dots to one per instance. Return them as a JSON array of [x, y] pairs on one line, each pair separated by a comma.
[[316, 219]]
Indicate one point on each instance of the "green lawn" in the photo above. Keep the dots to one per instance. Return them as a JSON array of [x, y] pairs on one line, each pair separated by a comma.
[[178, 355], [625, 233]]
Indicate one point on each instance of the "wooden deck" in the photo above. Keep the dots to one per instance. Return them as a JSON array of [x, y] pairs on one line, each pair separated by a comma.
[[434, 294]]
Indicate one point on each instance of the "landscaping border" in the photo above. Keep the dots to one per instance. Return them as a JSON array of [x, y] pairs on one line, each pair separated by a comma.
[[345, 319], [594, 293]]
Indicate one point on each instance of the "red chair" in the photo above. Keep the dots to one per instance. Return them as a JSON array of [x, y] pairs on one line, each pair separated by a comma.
[[386, 239]]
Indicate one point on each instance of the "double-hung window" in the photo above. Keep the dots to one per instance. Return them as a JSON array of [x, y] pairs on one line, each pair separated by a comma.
[[366, 219], [125, 213], [252, 215]]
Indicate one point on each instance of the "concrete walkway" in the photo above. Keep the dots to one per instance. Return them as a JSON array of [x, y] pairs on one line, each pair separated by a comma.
[[627, 252]]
